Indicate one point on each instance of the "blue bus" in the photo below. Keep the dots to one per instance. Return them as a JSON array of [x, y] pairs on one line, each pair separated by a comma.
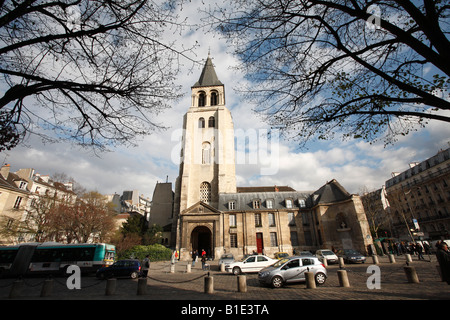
[[53, 258]]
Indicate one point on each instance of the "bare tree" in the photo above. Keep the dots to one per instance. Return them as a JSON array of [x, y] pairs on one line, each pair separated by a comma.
[[366, 69], [94, 72]]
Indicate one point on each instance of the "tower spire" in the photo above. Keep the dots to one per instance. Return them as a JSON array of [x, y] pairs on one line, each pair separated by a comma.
[[208, 77]]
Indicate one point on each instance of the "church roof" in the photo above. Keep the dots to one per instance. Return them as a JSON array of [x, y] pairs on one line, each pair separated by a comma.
[[332, 191], [208, 77]]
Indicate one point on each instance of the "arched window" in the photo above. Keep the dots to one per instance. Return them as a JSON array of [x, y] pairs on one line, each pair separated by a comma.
[[214, 98], [211, 122], [201, 99], [201, 123], [205, 192], [206, 153]]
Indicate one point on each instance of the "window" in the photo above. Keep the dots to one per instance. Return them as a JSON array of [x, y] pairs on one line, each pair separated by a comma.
[[233, 240], [269, 204], [258, 220], [232, 205], [232, 221], [201, 99], [294, 238], [17, 203], [206, 153], [205, 192], [307, 262], [273, 239], [261, 259], [214, 98], [201, 123], [293, 264], [23, 185], [256, 204], [301, 203], [271, 220], [211, 122], [291, 218], [289, 203]]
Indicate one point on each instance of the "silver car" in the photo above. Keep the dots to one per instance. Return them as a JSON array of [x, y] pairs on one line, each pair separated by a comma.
[[292, 270]]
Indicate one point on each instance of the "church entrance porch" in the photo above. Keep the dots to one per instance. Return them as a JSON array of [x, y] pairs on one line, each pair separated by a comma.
[[201, 239]]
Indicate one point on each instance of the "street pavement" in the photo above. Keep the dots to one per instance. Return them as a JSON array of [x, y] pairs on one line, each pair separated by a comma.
[[162, 284]]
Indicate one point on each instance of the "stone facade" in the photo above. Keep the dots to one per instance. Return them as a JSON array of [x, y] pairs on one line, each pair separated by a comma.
[[211, 213]]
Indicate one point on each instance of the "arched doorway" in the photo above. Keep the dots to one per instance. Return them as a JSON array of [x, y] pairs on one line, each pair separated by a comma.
[[201, 238]]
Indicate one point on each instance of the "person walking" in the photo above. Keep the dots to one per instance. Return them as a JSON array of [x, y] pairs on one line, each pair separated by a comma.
[[145, 266], [443, 257], [194, 257], [419, 250], [203, 262]]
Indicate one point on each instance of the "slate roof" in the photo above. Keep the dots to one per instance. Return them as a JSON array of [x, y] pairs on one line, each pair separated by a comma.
[[208, 76], [331, 192]]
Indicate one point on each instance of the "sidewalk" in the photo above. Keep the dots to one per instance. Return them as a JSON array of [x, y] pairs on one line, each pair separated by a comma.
[[180, 285]]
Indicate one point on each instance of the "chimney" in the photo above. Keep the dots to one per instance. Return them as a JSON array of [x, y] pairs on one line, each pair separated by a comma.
[[5, 170], [276, 189]]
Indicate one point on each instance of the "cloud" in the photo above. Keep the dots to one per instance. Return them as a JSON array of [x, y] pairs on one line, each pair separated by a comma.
[[353, 163]]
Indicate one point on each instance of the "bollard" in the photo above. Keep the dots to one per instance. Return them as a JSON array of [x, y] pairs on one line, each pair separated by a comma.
[[222, 267], [110, 287], [172, 268], [411, 274], [188, 268], [325, 262], [341, 263], [16, 289], [391, 258], [310, 282], [47, 288], [375, 259], [209, 284], [408, 257], [242, 283], [343, 278], [142, 287]]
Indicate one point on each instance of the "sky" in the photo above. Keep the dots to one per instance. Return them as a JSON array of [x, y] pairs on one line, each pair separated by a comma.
[[354, 164]]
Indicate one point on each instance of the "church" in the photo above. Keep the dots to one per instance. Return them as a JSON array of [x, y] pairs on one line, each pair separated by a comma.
[[209, 212]]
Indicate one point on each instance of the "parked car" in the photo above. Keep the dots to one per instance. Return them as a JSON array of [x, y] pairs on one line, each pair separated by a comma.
[[280, 255], [305, 254], [351, 255], [226, 258], [250, 264], [327, 254], [292, 270], [123, 268]]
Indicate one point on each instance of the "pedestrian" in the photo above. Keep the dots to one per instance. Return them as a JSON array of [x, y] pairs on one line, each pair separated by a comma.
[[145, 266], [203, 253], [443, 257], [203, 262], [194, 257], [419, 251]]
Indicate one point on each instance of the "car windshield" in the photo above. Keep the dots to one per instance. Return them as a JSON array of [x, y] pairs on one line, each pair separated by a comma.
[[227, 256], [349, 251], [328, 253], [280, 262], [282, 255]]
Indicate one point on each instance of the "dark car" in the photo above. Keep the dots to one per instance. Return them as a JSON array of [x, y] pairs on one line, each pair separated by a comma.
[[351, 256], [123, 268]]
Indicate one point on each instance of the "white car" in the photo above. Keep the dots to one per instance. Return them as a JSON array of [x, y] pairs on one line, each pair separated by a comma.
[[250, 264], [327, 254]]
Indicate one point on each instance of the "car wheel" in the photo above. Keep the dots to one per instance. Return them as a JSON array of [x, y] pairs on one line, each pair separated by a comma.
[[237, 271], [320, 278], [277, 282], [134, 275]]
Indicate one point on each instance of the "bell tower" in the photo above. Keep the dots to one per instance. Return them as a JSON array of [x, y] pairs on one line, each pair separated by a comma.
[[207, 165]]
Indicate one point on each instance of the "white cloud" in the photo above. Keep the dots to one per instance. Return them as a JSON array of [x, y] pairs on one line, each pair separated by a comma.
[[354, 163]]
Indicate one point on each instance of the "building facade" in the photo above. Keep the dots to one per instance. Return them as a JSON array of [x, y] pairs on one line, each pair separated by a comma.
[[211, 213], [419, 199]]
